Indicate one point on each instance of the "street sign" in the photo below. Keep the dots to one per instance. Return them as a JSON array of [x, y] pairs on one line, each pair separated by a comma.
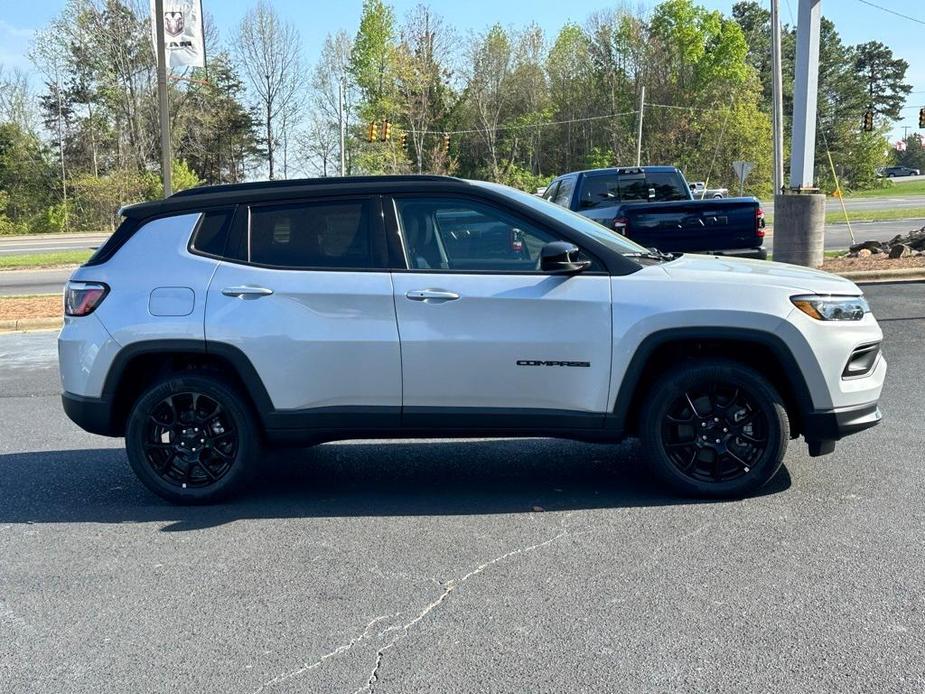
[[742, 169]]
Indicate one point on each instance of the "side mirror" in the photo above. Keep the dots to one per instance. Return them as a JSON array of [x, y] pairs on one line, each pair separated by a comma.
[[561, 257]]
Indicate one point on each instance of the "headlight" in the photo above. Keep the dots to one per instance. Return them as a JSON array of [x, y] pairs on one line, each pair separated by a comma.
[[832, 307]]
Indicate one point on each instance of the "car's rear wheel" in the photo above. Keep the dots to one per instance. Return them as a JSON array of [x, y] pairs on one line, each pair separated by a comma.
[[714, 428], [191, 439]]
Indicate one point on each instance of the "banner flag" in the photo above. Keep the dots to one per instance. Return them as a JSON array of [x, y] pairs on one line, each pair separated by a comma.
[[184, 43]]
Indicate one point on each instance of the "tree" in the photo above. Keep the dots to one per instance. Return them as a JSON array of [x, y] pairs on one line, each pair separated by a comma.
[[372, 60], [885, 77], [270, 57], [912, 153], [334, 101], [422, 77]]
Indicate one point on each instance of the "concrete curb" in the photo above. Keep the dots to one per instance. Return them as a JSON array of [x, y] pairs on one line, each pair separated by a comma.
[[26, 324], [906, 274]]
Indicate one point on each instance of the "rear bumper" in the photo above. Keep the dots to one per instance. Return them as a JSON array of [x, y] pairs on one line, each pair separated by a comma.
[[91, 414], [823, 429]]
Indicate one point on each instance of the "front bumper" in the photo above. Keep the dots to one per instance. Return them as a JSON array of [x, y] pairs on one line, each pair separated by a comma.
[[91, 414], [822, 429]]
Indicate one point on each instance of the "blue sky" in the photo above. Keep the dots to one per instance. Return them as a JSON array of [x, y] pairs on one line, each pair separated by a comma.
[[856, 22]]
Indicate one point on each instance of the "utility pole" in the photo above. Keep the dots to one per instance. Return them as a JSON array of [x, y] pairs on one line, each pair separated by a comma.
[[799, 227], [162, 96], [777, 90], [341, 126], [906, 129], [642, 107]]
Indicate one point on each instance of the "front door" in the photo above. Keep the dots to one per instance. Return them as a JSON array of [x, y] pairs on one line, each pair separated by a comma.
[[487, 338]]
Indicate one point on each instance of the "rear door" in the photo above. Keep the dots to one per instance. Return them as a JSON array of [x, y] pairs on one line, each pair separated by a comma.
[[486, 338], [305, 294]]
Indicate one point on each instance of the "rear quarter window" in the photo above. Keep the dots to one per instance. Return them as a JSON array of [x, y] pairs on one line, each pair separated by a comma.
[[211, 235]]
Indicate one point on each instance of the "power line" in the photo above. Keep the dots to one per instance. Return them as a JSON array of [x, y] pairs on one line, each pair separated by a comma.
[[526, 126], [887, 9]]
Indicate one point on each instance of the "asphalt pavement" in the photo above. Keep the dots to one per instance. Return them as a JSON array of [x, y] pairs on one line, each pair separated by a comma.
[[462, 566]]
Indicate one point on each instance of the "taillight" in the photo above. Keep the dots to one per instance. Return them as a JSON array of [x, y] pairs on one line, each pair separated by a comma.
[[621, 225], [81, 298], [759, 223]]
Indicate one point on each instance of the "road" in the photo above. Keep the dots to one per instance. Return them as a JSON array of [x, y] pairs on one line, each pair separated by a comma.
[[864, 204], [838, 238], [22, 282], [422, 566], [47, 243]]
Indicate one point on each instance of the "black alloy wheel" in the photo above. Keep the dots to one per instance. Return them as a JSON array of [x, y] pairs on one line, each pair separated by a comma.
[[715, 433], [192, 438], [714, 428], [189, 440]]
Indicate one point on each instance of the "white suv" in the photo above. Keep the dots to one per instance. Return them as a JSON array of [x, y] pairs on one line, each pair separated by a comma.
[[297, 312]]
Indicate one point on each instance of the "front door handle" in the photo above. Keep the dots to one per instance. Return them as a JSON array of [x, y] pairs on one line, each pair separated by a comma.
[[432, 295], [247, 291]]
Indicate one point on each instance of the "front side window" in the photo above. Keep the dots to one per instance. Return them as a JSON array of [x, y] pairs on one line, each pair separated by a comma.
[[464, 235], [312, 235]]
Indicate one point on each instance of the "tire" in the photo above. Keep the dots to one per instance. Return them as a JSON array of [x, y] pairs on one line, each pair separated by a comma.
[[191, 438], [714, 428]]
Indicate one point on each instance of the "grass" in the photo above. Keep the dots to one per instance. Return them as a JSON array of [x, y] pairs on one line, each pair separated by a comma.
[[37, 261], [896, 189], [838, 217]]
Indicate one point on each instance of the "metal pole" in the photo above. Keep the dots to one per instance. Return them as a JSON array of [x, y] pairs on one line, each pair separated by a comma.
[[340, 121], [803, 145], [164, 113], [777, 90], [642, 107]]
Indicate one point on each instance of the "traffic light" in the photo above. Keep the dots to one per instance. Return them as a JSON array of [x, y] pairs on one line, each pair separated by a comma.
[[922, 117], [372, 134], [869, 121], [404, 140], [386, 130], [446, 142]]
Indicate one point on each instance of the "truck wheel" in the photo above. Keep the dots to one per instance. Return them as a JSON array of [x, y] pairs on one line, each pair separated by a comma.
[[714, 428], [191, 438]]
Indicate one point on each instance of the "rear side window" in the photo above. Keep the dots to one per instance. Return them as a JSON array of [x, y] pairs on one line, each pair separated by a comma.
[[212, 233], [316, 235], [601, 190], [120, 236]]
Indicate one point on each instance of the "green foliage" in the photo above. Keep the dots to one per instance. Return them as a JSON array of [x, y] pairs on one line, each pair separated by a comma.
[[914, 153], [522, 179], [372, 61]]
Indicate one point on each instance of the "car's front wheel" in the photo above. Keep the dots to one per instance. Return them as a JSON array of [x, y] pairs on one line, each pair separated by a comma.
[[191, 438], [714, 428]]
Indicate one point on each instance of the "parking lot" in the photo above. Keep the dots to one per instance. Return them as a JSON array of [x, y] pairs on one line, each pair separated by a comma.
[[463, 565]]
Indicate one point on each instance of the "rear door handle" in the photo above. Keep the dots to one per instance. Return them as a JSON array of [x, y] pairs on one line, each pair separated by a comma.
[[246, 291], [432, 295]]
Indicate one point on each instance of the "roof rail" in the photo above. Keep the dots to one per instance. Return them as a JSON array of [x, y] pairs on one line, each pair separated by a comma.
[[305, 182]]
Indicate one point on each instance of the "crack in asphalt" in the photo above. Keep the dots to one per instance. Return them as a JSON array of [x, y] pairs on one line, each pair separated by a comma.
[[450, 586], [337, 651]]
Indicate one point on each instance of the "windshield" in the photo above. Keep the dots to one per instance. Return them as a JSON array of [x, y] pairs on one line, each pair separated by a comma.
[[581, 224]]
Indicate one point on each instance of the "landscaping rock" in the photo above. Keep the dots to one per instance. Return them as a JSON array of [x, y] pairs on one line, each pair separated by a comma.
[[861, 253], [900, 250]]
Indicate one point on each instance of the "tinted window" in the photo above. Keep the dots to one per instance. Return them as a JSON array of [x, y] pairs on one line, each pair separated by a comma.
[[563, 195], [601, 190], [550, 192], [452, 234], [212, 233], [312, 235]]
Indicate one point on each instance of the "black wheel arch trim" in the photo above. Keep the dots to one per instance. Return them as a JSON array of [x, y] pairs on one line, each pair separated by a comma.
[[243, 367], [620, 412]]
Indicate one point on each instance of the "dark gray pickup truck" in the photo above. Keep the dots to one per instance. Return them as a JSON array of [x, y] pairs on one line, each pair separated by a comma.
[[653, 206]]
